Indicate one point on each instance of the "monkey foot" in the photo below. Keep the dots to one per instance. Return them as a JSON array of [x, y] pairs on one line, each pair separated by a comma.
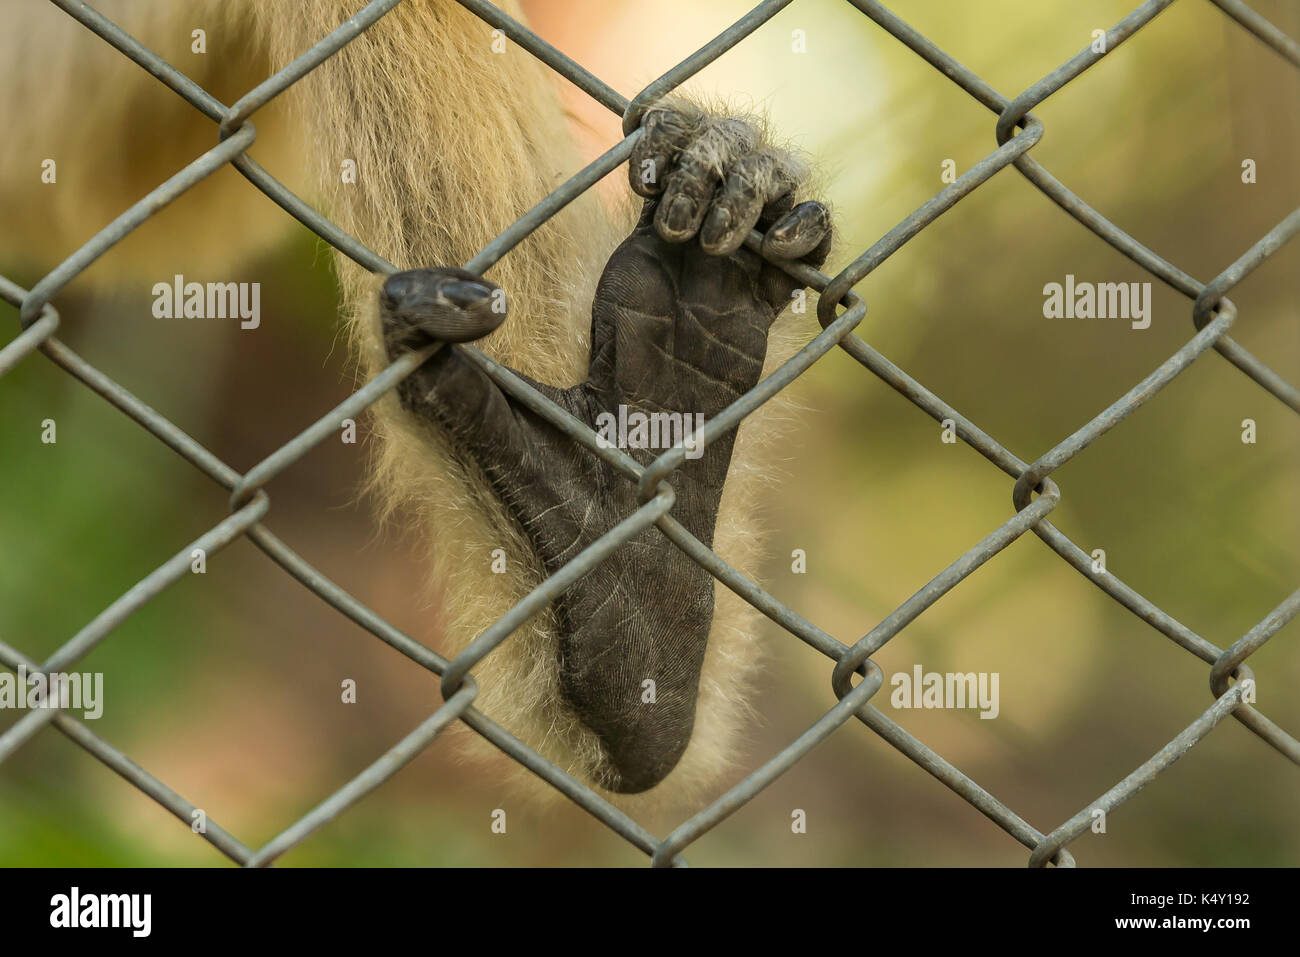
[[679, 332]]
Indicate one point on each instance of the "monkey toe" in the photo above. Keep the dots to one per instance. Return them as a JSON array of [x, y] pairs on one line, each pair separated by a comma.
[[665, 130], [419, 306], [799, 233], [738, 205]]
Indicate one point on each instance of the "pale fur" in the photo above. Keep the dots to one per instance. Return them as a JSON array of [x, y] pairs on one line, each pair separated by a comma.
[[115, 133], [453, 143]]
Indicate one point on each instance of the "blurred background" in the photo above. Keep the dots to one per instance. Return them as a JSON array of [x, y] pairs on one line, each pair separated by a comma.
[[226, 686]]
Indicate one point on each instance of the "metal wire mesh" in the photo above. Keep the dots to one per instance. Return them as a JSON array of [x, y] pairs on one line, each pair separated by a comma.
[[1034, 493]]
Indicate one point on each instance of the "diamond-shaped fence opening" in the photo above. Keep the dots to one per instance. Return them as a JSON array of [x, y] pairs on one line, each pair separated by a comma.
[[1035, 494]]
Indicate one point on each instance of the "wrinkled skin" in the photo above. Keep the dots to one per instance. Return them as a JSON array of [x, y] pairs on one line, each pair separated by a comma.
[[679, 324]]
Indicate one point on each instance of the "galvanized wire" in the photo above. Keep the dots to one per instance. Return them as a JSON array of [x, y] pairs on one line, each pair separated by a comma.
[[1034, 493]]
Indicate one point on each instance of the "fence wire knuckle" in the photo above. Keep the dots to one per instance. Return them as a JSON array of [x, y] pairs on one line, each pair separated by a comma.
[[840, 310]]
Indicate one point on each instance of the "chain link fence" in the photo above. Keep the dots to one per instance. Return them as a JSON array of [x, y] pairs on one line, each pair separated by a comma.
[[1034, 494]]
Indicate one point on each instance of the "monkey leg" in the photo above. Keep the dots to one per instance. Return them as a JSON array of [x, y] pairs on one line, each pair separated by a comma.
[[679, 327]]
